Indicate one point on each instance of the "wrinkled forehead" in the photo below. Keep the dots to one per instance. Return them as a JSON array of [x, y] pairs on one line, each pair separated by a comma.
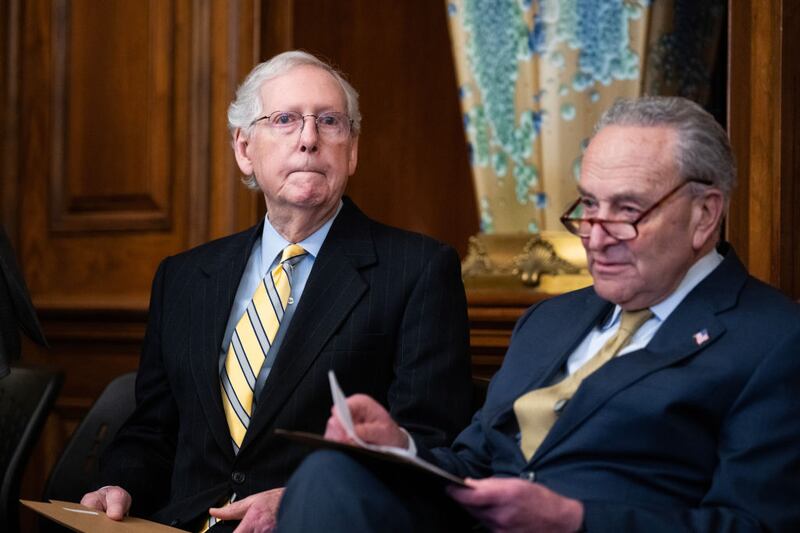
[[631, 158], [301, 87]]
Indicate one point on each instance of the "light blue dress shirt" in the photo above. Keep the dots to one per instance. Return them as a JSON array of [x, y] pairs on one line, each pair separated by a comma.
[[264, 257]]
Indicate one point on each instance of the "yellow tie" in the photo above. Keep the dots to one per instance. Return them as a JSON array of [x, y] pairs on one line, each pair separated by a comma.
[[538, 409], [251, 340], [254, 334]]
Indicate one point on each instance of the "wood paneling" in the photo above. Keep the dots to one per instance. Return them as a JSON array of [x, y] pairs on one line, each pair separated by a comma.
[[413, 170], [764, 111], [111, 127], [9, 113], [115, 155], [492, 316]]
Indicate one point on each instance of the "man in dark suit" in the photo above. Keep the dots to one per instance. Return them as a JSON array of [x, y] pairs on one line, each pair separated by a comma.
[[315, 286], [662, 398]]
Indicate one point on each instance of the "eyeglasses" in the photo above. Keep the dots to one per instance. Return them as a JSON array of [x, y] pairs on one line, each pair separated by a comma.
[[331, 125], [622, 230]]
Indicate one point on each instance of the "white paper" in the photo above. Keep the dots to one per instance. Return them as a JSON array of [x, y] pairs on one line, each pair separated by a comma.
[[340, 404]]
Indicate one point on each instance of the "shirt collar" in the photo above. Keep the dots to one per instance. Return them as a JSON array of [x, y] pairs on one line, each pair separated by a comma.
[[696, 273], [272, 242]]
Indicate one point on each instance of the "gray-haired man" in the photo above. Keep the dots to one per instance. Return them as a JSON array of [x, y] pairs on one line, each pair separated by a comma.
[[662, 398], [243, 330]]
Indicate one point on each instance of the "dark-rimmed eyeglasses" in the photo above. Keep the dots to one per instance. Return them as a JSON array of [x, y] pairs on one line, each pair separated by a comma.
[[622, 230], [330, 125]]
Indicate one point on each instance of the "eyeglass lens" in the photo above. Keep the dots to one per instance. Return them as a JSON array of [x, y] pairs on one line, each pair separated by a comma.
[[331, 124]]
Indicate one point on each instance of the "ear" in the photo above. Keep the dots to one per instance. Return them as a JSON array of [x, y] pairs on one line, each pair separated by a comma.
[[240, 150], [351, 169], [707, 214]]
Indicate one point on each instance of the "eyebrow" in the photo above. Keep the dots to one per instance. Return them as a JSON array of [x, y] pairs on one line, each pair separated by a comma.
[[617, 198]]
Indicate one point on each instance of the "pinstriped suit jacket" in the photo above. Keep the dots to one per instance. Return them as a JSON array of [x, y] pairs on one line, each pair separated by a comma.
[[384, 308]]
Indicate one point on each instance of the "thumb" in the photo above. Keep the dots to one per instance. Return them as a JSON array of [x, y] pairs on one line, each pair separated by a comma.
[[117, 504], [232, 511]]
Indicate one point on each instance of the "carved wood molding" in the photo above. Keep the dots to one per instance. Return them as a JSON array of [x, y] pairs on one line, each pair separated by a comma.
[[492, 316], [111, 108]]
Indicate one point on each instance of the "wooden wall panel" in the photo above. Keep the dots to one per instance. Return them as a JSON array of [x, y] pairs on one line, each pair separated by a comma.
[[122, 158], [85, 104], [413, 170], [9, 113], [111, 124], [764, 111]]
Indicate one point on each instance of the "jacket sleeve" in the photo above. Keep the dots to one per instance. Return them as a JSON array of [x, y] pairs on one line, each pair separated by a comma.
[[472, 455], [432, 390], [141, 456]]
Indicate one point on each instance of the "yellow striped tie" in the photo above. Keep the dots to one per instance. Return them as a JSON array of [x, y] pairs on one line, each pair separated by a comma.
[[254, 334], [251, 340], [538, 409]]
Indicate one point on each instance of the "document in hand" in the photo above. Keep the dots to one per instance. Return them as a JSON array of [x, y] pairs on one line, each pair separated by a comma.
[[385, 453], [79, 518]]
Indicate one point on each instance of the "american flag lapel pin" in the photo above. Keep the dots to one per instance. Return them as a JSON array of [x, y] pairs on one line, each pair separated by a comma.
[[701, 337]]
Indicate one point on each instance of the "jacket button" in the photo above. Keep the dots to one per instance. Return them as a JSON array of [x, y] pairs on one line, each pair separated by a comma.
[[238, 477], [530, 475]]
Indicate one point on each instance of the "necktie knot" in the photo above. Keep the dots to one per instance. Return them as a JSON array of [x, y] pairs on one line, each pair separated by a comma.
[[630, 321], [292, 254]]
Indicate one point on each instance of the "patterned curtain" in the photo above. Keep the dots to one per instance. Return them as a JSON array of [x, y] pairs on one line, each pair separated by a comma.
[[535, 75]]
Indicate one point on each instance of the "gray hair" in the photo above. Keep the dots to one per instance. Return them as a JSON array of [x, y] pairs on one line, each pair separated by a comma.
[[246, 107], [703, 149]]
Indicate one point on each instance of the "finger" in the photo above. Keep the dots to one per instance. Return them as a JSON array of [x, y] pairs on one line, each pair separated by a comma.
[[382, 433], [476, 495], [334, 430], [93, 500], [232, 511], [363, 408], [257, 519], [252, 526], [118, 502]]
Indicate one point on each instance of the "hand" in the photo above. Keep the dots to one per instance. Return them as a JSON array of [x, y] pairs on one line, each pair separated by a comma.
[[257, 512], [371, 422], [115, 501], [514, 505]]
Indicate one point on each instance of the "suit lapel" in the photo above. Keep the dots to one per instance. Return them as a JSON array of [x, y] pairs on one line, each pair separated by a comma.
[[333, 289], [543, 356], [221, 271], [692, 327]]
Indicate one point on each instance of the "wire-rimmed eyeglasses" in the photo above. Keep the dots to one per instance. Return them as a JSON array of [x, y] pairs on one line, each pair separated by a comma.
[[622, 230], [330, 125]]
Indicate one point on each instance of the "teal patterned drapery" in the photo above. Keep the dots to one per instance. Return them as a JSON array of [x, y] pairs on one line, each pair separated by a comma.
[[535, 75]]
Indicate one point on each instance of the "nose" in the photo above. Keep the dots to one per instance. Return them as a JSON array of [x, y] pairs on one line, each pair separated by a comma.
[[598, 238], [309, 136]]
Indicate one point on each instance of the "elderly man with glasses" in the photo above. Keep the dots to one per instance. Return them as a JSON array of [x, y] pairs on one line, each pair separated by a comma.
[[243, 331], [663, 398]]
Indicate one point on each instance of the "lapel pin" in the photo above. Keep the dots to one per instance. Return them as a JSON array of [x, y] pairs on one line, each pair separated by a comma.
[[701, 337]]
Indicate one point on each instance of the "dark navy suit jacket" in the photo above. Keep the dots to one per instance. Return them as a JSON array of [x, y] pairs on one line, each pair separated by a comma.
[[692, 433], [384, 308]]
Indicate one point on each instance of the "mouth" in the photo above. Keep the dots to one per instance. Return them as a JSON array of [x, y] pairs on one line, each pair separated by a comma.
[[307, 171], [607, 267]]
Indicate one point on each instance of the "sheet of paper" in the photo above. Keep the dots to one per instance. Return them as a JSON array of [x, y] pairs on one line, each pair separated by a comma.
[[79, 518], [340, 404]]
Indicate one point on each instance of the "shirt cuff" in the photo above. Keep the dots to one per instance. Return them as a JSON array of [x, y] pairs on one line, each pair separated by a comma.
[[412, 447]]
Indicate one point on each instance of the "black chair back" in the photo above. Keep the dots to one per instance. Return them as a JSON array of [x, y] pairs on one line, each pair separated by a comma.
[[76, 469], [26, 397]]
